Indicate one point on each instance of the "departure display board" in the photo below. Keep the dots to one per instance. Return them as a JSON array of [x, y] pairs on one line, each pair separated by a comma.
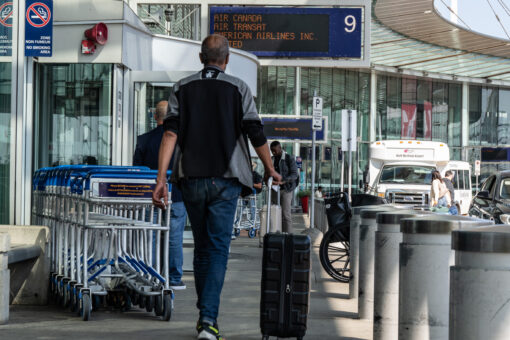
[[291, 32], [294, 129], [495, 154]]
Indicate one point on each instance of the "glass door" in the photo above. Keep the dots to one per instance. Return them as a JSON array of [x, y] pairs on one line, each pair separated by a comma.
[[73, 114], [147, 96]]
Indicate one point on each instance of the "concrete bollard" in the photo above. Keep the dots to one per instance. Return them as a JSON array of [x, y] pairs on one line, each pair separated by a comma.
[[387, 242], [366, 260], [424, 265], [354, 248], [479, 293], [4, 278]]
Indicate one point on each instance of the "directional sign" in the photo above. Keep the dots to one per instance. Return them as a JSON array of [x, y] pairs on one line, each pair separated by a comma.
[[477, 167], [39, 28], [317, 113], [6, 17]]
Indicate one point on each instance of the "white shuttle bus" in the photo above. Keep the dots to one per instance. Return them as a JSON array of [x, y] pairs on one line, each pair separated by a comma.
[[401, 171]]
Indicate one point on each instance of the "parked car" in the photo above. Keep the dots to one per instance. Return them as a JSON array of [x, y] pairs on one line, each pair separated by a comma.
[[493, 200]]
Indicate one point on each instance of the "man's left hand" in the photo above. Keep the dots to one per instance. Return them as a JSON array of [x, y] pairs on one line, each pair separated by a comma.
[[160, 195]]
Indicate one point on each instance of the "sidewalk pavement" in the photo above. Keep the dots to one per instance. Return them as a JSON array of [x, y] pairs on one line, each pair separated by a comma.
[[330, 316]]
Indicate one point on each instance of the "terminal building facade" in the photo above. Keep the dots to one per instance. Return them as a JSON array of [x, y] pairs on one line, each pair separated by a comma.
[[73, 108]]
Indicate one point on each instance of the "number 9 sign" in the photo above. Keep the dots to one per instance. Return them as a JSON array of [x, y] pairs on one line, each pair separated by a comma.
[[350, 22]]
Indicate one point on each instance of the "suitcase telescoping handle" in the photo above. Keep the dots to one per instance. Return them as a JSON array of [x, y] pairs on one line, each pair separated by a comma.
[[268, 210], [269, 190]]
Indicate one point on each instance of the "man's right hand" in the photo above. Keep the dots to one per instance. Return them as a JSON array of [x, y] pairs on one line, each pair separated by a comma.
[[160, 192], [277, 178]]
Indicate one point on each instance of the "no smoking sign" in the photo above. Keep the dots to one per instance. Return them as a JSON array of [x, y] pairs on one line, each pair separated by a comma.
[[6, 14], [6, 19], [38, 15], [38, 28]]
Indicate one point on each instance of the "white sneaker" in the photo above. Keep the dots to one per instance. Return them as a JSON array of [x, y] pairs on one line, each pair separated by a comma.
[[178, 286]]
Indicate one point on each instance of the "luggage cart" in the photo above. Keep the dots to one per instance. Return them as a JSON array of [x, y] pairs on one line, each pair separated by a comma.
[[247, 216], [103, 238]]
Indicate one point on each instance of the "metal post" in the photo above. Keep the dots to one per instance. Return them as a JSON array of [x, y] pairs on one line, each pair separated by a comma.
[[312, 201], [350, 153], [342, 173]]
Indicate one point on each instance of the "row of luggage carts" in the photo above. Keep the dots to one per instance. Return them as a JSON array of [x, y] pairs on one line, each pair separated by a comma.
[[109, 243]]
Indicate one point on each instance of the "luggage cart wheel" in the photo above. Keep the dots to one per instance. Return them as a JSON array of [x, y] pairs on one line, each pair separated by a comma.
[[237, 232], [86, 307], [158, 305], [252, 233], [167, 307]]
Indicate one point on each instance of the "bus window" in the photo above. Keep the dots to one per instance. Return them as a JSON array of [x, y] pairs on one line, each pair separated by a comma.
[[459, 176]]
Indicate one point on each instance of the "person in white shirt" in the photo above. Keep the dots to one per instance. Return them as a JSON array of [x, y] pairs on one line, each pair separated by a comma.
[[318, 193], [439, 194]]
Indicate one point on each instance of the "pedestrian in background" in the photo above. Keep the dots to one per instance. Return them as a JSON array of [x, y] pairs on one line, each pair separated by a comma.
[[210, 113], [285, 165], [146, 154], [447, 179], [439, 196]]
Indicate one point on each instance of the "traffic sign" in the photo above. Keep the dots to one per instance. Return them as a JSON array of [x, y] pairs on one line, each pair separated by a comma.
[[6, 18], [39, 28], [477, 167], [317, 113]]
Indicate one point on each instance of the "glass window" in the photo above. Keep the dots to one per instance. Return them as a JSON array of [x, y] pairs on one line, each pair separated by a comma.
[[73, 114], [409, 110], [176, 20], [5, 140], [459, 178], [483, 115], [475, 118], [145, 109], [487, 185], [467, 180], [394, 108], [406, 174], [504, 117], [439, 112], [489, 116], [504, 192], [455, 115], [424, 110]]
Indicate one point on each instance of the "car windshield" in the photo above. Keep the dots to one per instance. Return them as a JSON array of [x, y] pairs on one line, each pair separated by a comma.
[[406, 174], [504, 192]]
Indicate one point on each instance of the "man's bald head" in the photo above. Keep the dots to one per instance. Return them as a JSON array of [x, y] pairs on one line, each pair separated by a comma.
[[161, 109], [215, 51]]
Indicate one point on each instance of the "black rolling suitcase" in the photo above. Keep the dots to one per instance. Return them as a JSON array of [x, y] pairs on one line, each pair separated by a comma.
[[285, 291]]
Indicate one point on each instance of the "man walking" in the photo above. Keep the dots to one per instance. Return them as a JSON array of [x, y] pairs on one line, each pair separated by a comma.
[[286, 166], [447, 179], [210, 113], [146, 154]]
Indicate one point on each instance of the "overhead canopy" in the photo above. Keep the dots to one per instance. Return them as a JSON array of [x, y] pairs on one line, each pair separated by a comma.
[[429, 44]]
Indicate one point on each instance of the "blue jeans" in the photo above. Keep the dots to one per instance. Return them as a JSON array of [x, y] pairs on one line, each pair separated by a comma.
[[211, 205], [441, 202], [177, 222], [453, 210]]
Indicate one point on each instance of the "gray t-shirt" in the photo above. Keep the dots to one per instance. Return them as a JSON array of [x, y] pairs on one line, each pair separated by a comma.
[[450, 188]]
